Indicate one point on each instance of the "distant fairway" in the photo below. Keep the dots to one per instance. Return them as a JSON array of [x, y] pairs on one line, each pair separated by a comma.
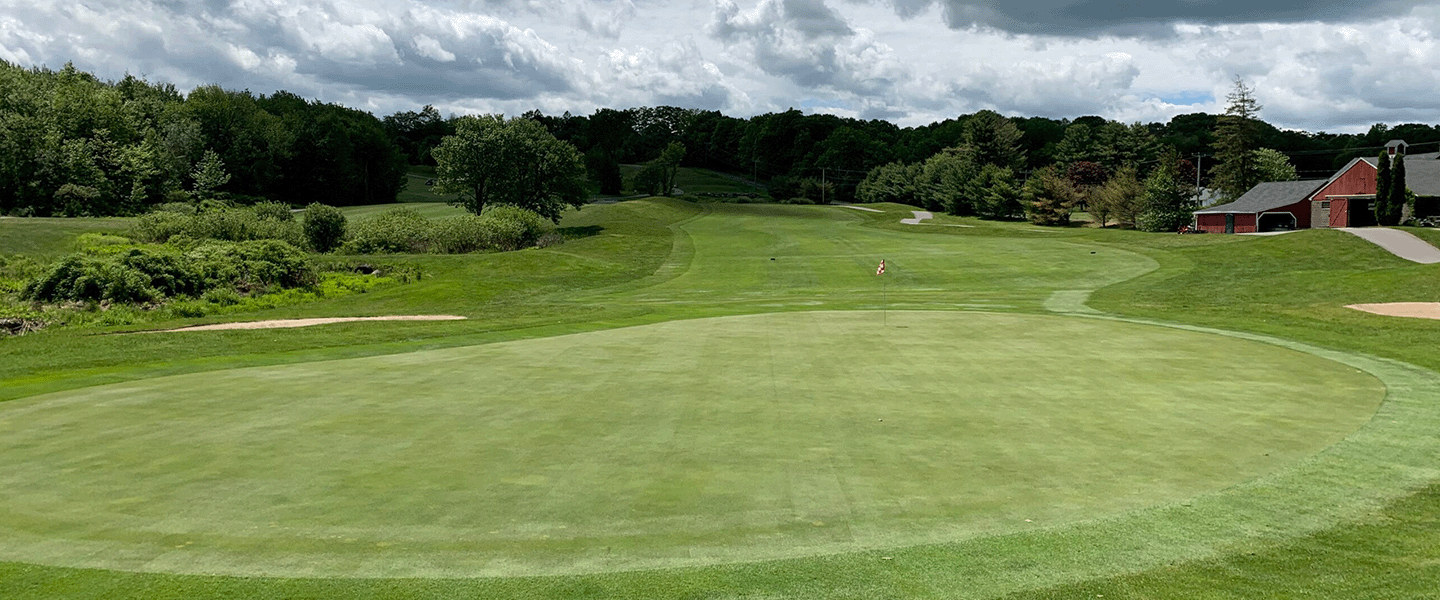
[[681, 443]]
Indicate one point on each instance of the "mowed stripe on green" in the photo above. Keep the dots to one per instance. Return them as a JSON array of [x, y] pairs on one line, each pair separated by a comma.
[[681, 443]]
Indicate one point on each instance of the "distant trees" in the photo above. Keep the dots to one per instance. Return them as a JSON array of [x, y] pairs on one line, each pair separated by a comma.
[[1237, 136], [515, 162], [657, 177], [73, 145]]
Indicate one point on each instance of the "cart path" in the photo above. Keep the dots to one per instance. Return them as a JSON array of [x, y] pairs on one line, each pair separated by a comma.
[[920, 215], [1399, 243]]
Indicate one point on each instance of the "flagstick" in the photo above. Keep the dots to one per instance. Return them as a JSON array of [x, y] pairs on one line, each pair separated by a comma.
[[884, 302]]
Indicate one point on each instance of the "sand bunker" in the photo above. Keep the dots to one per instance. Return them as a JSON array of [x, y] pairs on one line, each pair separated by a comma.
[[1418, 310], [285, 323]]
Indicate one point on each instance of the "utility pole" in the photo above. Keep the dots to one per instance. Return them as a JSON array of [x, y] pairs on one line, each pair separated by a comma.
[[822, 186]]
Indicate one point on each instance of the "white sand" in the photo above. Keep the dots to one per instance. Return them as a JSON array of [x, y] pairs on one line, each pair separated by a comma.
[[1418, 310], [286, 323]]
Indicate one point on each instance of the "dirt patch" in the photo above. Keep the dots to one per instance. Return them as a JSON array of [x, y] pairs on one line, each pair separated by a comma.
[[1417, 310], [287, 323]]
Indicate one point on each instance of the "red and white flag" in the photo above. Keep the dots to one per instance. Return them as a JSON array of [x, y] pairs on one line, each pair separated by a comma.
[[881, 269]]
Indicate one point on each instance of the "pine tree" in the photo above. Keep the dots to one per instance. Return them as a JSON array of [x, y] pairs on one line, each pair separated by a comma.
[[1382, 186], [1237, 136], [1395, 207]]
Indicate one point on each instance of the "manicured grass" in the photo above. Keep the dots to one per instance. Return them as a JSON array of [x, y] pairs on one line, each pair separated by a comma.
[[415, 189], [685, 442], [433, 210], [1349, 512], [52, 236]]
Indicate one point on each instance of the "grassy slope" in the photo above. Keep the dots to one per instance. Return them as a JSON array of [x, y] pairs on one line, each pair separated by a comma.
[[51, 236], [1290, 286]]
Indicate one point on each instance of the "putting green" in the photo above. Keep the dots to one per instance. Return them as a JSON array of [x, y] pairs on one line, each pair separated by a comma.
[[681, 443]]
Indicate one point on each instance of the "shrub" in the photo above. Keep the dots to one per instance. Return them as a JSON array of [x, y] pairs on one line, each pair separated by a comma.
[[184, 208], [253, 264], [514, 227], [230, 224], [324, 227], [501, 228], [273, 211], [160, 226], [90, 280], [399, 229]]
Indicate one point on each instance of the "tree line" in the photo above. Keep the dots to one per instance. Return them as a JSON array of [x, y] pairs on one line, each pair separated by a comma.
[[71, 144]]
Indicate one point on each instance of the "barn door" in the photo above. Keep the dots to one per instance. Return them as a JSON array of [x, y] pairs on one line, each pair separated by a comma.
[[1230, 223]]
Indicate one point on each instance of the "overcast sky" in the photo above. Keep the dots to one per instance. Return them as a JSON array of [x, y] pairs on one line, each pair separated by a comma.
[[1317, 65]]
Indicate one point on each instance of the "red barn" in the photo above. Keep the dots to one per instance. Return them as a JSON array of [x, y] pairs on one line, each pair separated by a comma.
[[1272, 206], [1348, 198]]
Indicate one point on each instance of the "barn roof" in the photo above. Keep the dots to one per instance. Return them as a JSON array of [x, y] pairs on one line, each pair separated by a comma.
[[1422, 172], [1270, 195]]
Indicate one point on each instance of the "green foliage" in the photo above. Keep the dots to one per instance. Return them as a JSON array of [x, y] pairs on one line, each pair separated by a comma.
[[945, 178], [650, 180], [605, 169], [1049, 198], [324, 227], [501, 228], [892, 182], [1390, 207], [995, 140], [1121, 197], [997, 194], [398, 230], [491, 160], [230, 224], [209, 176], [1271, 165], [73, 145], [1237, 136], [1169, 198], [144, 274], [273, 211]]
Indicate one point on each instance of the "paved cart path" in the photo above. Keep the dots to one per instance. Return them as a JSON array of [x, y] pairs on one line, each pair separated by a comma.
[[1399, 243]]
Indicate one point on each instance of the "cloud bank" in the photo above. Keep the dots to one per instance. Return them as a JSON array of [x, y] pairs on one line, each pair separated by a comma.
[[1315, 64]]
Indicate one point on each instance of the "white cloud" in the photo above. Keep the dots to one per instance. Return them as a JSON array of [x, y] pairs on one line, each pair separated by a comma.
[[912, 61]]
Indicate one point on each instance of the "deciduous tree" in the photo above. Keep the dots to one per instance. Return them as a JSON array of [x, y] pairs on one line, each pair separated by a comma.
[[515, 162]]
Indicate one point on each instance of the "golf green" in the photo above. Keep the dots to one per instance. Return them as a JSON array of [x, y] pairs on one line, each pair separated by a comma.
[[680, 443]]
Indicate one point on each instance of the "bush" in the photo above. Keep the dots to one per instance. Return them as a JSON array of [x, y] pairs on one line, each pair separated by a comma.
[[324, 227], [253, 264], [273, 211], [514, 227], [86, 279], [229, 224], [146, 274], [501, 228], [398, 230], [160, 226]]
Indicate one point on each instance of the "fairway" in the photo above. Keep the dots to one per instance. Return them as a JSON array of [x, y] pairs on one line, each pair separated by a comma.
[[686, 442]]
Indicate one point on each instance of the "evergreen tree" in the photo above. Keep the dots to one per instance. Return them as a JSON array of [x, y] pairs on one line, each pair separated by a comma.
[[1237, 136], [1395, 203], [1382, 186], [1169, 197], [1049, 198]]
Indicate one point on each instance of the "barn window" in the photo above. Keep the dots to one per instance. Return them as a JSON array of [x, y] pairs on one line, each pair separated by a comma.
[[1325, 204]]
